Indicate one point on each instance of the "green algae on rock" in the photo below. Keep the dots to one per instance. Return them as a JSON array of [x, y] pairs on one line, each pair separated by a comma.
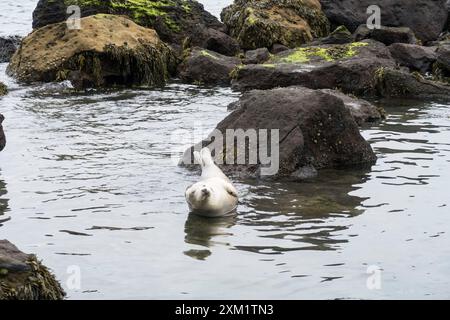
[[107, 50], [263, 23], [330, 53], [23, 277]]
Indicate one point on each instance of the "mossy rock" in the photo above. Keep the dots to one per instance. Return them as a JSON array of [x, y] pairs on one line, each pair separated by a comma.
[[263, 23], [107, 50], [23, 277], [174, 20], [3, 89]]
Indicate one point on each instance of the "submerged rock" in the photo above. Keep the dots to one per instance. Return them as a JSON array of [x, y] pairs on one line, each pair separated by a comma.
[[264, 23], [173, 20], [23, 277], [207, 67], [349, 67], [107, 50], [386, 35], [316, 131], [415, 57], [8, 46], [426, 18]]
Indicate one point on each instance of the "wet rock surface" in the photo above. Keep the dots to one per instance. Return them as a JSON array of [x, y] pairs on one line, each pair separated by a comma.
[[8, 45], [23, 277]]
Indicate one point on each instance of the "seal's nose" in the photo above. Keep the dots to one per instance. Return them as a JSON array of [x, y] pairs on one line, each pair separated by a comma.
[[205, 192]]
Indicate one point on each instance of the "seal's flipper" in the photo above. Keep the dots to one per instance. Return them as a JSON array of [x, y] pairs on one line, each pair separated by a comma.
[[198, 159], [206, 157], [231, 190]]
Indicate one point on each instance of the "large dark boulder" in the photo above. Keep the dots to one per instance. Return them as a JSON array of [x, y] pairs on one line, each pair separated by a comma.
[[8, 45], [107, 50], [316, 131], [207, 67], [349, 67], [264, 23], [427, 18], [415, 57], [23, 277], [173, 20]]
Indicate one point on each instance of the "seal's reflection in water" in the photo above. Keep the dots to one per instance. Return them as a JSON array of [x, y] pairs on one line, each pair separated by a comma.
[[202, 231]]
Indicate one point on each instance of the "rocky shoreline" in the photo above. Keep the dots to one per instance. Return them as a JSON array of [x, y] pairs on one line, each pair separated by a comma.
[[311, 48]]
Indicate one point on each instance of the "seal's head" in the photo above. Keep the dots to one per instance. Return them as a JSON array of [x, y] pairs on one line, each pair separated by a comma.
[[198, 194]]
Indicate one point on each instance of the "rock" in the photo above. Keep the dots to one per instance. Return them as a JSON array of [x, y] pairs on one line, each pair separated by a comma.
[[349, 67], [361, 110], [441, 69], [214, 40], [386, 35], [316, 131], [264, 23], [3, 89], [426, 18], [340, 35], [277, 48], [23, 277], [396, 83], [8, 46], [107, 50], [173, 20], [256, 56], [417, 58], [207, 67], [2, 135]]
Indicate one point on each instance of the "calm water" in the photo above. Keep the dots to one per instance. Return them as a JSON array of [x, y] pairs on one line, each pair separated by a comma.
[[87, 180]]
